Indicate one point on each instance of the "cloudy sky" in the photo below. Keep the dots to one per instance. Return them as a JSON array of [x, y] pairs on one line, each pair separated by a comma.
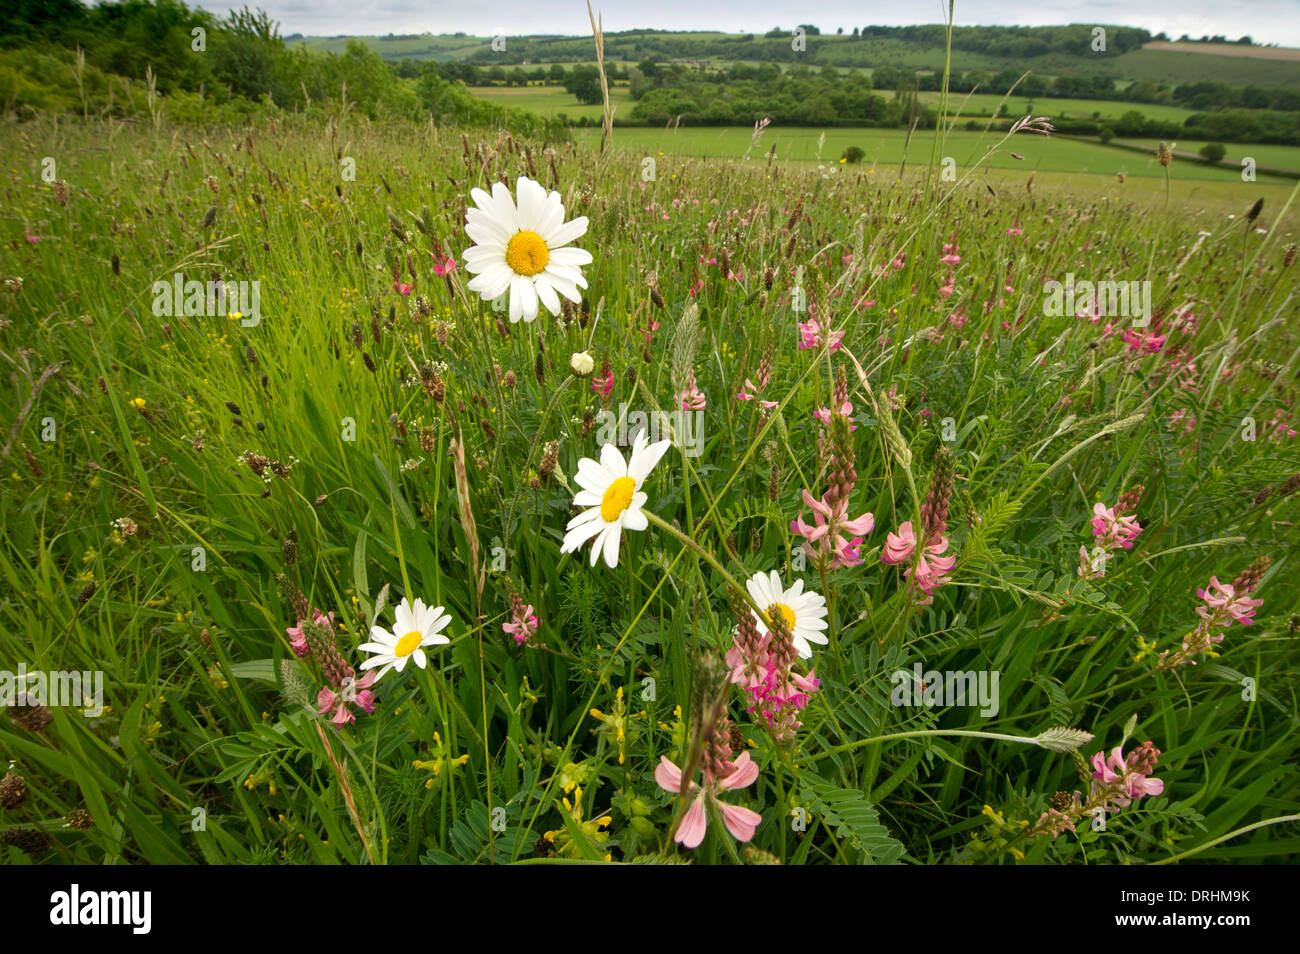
[[1267, 21]]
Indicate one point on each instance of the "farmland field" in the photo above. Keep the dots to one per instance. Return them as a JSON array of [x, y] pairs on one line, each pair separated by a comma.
[[983, 104], [553, 100], [1281, 157], [885, 148]]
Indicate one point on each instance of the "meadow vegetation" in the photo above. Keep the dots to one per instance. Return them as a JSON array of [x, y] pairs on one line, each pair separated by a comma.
[[426, 491]]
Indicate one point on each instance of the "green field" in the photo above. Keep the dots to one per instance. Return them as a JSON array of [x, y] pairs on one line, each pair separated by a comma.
[[983, 104], [1282, 157], [1173, 66], [553, 100], [887, 148], [424, 47]]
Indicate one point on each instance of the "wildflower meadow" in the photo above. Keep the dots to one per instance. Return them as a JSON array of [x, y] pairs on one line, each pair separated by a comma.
[[406, 492]]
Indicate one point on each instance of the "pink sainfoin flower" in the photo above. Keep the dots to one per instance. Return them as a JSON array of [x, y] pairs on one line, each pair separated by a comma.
[[813, 335], [402, 288], [1143, 342], [1118, 781], [1015, 228], [352, 692], [826, 415], [343, 690], [690, 397], [931, 568], [899, 546], [1112, 529], [298, 639], [523, 622], [741, 822], [950, 256], [603, 383], [744, 395], [833, 535], [1181, 416], [446, 268], [763, 665], [1222, 604], [1225, 603]]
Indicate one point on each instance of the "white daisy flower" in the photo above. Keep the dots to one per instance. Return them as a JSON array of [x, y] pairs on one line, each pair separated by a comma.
[[520, 249], [611, 489], [415, 627], [804, 613]]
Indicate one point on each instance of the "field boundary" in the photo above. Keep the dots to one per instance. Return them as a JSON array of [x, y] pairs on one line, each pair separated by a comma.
[[1185, 156]]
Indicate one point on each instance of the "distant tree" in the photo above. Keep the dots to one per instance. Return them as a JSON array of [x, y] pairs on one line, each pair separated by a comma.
[[855, 31], [839, 31], [1213, 152], [1132, 123], [1033, 85], [584, 83], [853, 154]]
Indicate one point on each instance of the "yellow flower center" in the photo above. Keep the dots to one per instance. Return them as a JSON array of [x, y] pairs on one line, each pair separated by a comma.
[[527, 253], [616, 499], [786, 613], [408, 643]]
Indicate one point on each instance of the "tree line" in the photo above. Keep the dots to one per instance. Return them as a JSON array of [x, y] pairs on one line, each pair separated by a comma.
[[70, 56]]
